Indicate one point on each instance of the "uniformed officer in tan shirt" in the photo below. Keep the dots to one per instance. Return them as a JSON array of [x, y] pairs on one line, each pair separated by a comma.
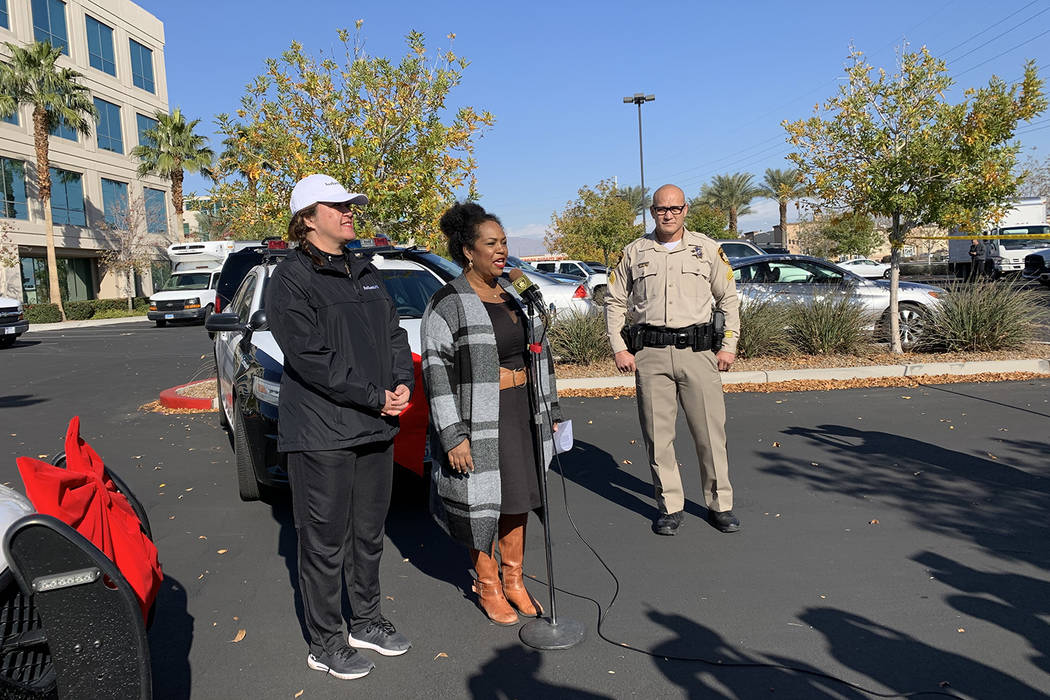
[[671, 281]]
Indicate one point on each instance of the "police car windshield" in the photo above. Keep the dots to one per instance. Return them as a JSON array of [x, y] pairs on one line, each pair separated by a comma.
[[189, 280], [1018, 243]]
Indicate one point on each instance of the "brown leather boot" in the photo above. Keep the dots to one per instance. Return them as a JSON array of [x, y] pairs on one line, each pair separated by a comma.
[[512, 554], [490, 593]]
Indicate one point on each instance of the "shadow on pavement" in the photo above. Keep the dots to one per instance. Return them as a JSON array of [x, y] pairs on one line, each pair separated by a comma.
[[999, 507], [753, 676], [512, 672], [170, 639], [906, 665], [595, 469], [19, 400], [288, 548], [1013, 602]]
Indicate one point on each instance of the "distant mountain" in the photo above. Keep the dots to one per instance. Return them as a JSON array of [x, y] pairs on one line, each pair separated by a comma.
[[524, 245]]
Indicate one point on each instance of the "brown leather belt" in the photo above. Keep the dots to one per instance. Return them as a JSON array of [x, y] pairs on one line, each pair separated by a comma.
[[510, 378]]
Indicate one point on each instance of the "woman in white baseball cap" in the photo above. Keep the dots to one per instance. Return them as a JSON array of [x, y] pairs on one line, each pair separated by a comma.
[[347, 376]]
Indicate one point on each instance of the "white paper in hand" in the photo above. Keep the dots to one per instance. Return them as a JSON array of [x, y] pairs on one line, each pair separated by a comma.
[[563, 438]]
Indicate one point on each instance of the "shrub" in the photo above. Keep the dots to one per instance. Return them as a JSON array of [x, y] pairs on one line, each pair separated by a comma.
[[43, 313], [833, 324], [982, 316], [763, 329], [120, 304], [79, 310], [141, 304], [579, 338]]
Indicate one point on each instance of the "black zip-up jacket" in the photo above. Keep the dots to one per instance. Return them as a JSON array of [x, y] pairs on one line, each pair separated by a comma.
[[343, 347]]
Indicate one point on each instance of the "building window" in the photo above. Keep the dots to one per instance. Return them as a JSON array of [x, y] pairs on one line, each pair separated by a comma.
[[64, 131], [67, 198], [100, 46], [156, 211], [141, 66], [76, 280], [110, 137], [13, 189], [115, 203], [5, 22], [11, 118], [145, 124], [49, 23]]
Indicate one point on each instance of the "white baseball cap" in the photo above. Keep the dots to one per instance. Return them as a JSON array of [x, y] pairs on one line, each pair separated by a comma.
[[321, 188]]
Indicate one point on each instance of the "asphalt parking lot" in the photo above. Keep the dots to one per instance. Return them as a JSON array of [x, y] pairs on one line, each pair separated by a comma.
[[893, 538]]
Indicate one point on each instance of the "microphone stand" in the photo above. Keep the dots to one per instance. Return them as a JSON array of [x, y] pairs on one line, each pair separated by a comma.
[[545, 633]]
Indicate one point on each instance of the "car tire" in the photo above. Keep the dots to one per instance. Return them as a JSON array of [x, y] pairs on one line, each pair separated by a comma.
[[1045, 283], [247, 484], [161, 323], [886, 274], [7, 341], [599, 294], [911, 318]]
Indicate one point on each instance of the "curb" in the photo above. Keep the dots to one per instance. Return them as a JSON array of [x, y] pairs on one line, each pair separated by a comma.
[[170, 398], [63, 325], [835, 373]]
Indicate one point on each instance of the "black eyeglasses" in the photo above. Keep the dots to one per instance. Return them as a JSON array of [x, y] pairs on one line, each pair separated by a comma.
[[676, 210]]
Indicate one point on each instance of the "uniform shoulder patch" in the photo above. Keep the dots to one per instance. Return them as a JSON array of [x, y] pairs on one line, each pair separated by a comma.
[[612, 277], [722, 254]]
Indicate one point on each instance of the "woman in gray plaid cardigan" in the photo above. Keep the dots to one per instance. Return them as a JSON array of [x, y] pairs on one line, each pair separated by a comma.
[[472, 368]]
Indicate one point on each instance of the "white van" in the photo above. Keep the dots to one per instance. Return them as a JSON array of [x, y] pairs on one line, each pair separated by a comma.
[[1004, 248], [189, 294]]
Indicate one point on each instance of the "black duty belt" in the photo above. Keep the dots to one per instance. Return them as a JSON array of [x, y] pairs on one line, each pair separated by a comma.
[[697, 337]]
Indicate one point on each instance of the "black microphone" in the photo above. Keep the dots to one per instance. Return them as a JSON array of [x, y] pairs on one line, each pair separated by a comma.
[[527, 289]]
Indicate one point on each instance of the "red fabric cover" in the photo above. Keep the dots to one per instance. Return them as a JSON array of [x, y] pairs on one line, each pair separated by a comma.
[[82, 496], [412, 435]]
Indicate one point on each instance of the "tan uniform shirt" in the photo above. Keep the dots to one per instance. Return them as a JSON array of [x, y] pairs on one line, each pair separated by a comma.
[[673, 288]]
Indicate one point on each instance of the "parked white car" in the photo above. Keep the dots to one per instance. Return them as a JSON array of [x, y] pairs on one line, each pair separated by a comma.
[[564, 298], [597, 282], [866, 268], [12, 321]]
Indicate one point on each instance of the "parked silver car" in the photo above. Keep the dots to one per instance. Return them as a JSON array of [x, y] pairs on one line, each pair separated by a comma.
[[801, 277]]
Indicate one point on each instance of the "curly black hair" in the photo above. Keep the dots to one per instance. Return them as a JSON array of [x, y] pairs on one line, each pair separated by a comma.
[[460, 226]]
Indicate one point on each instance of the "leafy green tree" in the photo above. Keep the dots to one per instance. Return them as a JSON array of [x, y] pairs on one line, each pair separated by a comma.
[[893, 146], [731, 193], [782, 186], [379, 126], [595, 226], [170, 149], [851, 233], [56, 95], [706, 219], [638, 197]]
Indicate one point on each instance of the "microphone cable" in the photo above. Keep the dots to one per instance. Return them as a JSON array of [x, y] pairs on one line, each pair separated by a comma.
[[719, 663]]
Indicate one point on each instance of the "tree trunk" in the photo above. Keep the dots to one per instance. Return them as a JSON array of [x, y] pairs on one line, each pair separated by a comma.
[[895, 271], [732, 221], [131, 290], [783, 223], [43, 180], [176, 201]]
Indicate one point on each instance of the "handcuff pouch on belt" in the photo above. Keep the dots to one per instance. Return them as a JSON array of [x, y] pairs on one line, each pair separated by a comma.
[[698, 337]]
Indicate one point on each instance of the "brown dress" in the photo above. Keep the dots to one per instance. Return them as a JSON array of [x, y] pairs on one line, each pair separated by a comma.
[[519, 480]]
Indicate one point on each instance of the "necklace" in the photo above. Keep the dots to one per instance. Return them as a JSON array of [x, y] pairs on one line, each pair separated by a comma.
[[497, 292]]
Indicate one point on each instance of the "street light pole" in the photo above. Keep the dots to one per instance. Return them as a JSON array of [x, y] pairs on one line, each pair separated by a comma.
[[639, 98]]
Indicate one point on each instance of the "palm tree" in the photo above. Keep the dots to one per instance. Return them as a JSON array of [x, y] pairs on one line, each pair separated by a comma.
[[56, 95], [783, 186], [732, 194], [170, 149], [635, 195]]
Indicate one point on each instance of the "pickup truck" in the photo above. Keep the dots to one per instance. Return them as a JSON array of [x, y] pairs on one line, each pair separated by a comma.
[[13, 321]]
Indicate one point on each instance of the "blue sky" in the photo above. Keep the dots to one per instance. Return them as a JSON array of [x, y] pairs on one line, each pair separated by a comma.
[[554, 74]]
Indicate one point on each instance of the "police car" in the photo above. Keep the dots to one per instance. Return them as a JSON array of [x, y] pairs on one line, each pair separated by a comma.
[[249, 364], [12, 321]]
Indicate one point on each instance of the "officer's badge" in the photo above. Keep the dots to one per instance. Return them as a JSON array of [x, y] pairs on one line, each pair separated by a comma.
[[698, 252]]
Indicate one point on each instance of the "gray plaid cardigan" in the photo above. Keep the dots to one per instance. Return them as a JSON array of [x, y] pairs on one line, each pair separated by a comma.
[[461, 377]]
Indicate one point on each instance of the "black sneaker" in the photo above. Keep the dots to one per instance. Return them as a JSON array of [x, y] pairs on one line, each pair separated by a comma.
[[345, 664], [667, 523], [380, 636], [723, 520]]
